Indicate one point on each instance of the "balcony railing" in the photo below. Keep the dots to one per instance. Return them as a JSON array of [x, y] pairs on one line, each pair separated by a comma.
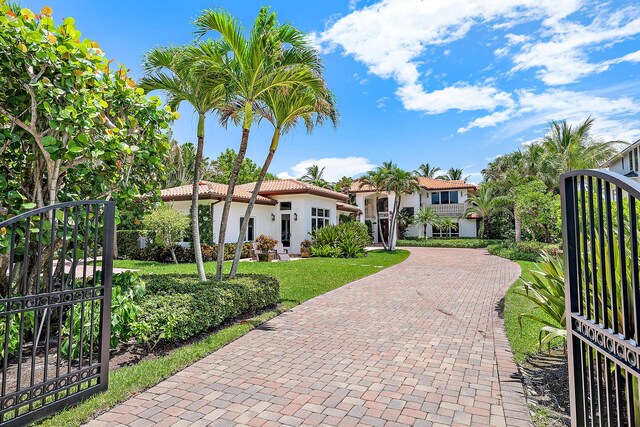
[[453, 209]]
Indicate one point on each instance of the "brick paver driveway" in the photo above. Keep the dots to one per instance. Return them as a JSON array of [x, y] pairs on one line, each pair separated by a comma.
[[419, 343]]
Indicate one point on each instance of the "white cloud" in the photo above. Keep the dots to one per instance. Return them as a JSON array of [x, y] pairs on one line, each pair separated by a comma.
[[335, 167], [390, 36], [562, 55], [461, 96], [382, 102], [616, 118]]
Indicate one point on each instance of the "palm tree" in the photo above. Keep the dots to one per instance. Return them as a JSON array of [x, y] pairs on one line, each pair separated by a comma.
[[171, 70], [427, 171], [485, 205], [448, 224], [426, 216], [400, 182], [376, 181], [454, 174], [285, 109], [343, 185], [573, 147], [273, 56], [314, 176]]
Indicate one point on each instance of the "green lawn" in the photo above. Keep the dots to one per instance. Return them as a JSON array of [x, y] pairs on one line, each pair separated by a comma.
[[524, 342], [299, 281]]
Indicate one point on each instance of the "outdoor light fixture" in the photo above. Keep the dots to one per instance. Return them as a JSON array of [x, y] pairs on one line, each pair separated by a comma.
[[295, 216], [273, 217]]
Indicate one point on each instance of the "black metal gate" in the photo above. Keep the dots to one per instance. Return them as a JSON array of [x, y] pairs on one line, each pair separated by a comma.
[[55, 307], [602, 281]]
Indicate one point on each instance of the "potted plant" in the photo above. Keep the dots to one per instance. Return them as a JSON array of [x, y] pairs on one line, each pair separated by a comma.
[[265, 246], [305, 248]]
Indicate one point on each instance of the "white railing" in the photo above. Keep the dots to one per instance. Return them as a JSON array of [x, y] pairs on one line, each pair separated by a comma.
[[453, 209]]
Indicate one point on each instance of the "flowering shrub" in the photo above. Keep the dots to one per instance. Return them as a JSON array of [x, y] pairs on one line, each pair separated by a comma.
[[265, 243]]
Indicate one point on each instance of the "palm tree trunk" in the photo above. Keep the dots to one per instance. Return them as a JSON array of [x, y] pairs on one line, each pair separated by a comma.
[[246, 128], [517, 225], [252, 201], [195, 226], [380, 232], [394, 220]]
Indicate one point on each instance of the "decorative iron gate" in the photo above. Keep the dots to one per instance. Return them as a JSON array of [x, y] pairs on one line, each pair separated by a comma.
[[600, 230], [55, 307]]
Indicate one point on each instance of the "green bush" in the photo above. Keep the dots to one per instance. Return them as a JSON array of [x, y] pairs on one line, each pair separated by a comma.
[[185, 255], [346, 240], [459, 242], [204, 305], [128, 246], [523, 251]]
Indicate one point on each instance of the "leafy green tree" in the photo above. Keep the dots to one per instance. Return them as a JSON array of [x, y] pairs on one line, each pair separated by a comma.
[[172, 70], [222, 169], [285, 109], [273, 56], [428, 171], [426, 216], [167, 226], [343, 185], [538, 211], [71, 128], [314, 176]]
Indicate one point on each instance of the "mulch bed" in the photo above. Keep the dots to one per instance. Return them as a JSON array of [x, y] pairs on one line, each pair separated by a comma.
[[546, 383]]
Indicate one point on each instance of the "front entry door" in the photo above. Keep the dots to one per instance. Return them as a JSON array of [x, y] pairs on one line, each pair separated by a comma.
[[285, 230]]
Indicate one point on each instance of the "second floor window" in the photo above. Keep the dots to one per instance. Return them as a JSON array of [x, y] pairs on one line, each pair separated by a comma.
[[444, 197]]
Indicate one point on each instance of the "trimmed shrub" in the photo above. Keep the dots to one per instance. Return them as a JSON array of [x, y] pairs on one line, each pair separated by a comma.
[[128, 246], [523, 251], [185, 255], [459, 242], [180, 306], [346, 240]]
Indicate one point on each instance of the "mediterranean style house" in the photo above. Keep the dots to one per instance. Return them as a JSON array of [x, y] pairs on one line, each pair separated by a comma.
[[626, 162], [447, 198], [287, 210]]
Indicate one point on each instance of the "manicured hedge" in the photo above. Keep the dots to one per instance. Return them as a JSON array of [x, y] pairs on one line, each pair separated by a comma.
[[179, 306], [185, 255], [128, 246], [460, 242], [523, 251]]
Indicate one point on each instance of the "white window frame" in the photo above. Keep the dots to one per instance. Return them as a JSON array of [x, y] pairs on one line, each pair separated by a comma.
[[320, 220]]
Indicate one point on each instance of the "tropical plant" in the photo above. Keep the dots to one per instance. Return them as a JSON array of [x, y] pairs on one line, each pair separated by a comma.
[[314, 176], [285, 109], [428, 171], [400, 182], [273, 56], [448, 224], [343, 185], [347, 240], [172, 70], [426, 216], [222, 168], [484, 204], [538, 211], [405, 220], [375, 180], [167, 226], [265, 243], [455, 174], [70, 126], [546, 291]]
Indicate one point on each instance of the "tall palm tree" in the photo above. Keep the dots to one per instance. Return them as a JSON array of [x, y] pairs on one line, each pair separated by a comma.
[[376, 181], [171, 70], [400, 182], [572, 147], [426, 216], [448, 224], [272, 56], [455, 174], [314, 176], [485, 205], [427, 171], [285, 109], [343, 185]]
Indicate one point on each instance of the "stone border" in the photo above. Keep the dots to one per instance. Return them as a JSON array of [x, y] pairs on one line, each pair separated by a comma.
[[514, 401]]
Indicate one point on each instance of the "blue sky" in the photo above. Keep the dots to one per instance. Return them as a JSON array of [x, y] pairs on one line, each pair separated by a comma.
[[453, 83]]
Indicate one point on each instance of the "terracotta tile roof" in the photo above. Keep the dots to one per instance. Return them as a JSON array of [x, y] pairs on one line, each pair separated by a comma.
[[344, 207], [426, 183], [212, 190], [293, 186], [441, 184]]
